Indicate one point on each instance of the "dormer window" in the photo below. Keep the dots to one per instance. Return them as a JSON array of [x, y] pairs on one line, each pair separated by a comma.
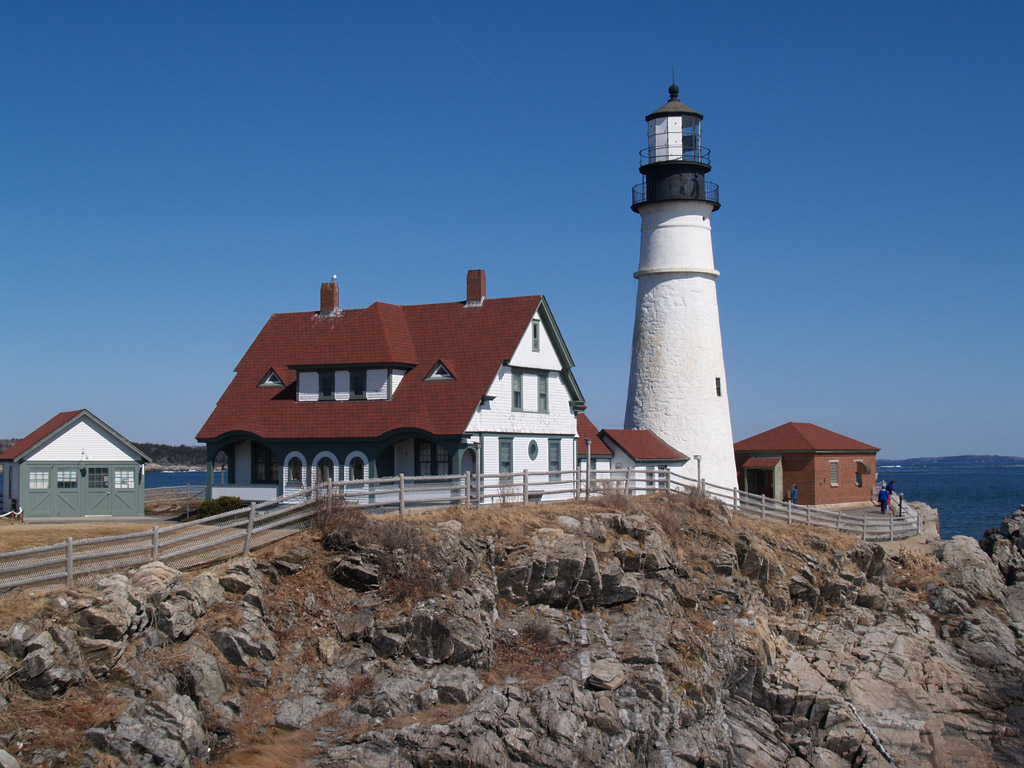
[[357, 385], [271, 379], [439, 373], [326, 387]]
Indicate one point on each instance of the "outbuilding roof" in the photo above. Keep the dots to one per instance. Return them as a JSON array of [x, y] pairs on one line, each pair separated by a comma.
[[801, 436], [56, 425], [761, 462], [585, 428], [472, 341], [642, 445]]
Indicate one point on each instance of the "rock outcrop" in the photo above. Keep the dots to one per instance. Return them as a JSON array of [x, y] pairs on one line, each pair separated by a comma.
[[656, 632]]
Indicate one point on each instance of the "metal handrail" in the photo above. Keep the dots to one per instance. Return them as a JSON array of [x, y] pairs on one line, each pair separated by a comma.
[[710, 193], [668, 154]]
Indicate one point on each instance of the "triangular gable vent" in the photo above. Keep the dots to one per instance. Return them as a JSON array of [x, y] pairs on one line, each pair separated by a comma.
[[271, 379], [439, 373]]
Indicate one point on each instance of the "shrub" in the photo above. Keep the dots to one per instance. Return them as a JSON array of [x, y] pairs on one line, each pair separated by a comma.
[[212, 507]]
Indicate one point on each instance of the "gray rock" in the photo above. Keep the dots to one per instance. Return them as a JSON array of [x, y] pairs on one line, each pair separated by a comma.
[[166, 732], [238, 647], [606, 675], [151, 583], [205, 590], [202, 677], [357, 570], [294, 714], [456, 685], [355, 626], [13, 643], [174, 617], [7, 760]]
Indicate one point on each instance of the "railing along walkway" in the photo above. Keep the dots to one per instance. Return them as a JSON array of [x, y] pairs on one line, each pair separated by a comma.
[[200, 543]]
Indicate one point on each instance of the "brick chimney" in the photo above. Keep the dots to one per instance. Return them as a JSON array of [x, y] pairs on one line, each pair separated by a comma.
[[476, 287], [328, 298]]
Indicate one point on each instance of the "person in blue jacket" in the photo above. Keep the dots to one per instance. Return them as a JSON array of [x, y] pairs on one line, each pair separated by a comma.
[[793, 494], [883, 500]]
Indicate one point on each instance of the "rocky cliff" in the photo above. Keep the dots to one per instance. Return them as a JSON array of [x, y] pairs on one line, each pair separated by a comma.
[[660, 631]]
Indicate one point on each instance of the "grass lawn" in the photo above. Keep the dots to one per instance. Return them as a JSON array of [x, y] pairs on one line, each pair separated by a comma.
[[28, 535]]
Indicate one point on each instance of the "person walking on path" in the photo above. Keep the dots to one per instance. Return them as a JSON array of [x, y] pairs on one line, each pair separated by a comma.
[[793, 494], [883, 500]]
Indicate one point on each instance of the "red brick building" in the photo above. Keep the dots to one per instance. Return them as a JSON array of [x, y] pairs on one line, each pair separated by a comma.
[[827, 467]]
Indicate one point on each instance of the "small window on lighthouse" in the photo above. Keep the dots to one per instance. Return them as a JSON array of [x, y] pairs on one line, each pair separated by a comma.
[[718, 386]]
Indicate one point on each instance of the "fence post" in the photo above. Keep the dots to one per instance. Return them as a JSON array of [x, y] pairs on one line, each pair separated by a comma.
[[629, 481], [586, 492], [330, 493], [735, 499], [188, 499], [763, 503], [864, 528], [526, 486], [789, 511], [401, 493], [577, 482], [919, 525], [479, 487], [70, 544], [155, 553], [890, 528], [252, 515], [808, 514], [466, 501], [839, 521]]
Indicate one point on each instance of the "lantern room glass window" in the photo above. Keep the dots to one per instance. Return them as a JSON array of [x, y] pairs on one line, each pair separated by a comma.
[[674, 137]]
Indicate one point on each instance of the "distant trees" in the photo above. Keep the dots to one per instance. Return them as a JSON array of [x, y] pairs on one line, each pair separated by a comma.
[[176, 455]]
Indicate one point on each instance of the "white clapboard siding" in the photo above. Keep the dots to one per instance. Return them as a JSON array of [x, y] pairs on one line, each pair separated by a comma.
[[83, 442], [497, 415], [546, 357]]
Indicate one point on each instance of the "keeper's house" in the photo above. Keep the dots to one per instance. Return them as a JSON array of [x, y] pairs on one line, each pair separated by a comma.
[[74, 465], [828, 468], [432, 389]]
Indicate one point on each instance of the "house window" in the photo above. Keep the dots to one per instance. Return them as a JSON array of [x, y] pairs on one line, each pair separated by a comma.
[[357, 388], [325, 470], [39, 479], [536, 335], [268, 470], [444, 460], [271, 379], [432, 459], [424, 459], [860, 480], [124, 479], [517, 391], [542, 393], [295, 470], [67, 478], [99, 477], [356, 469], [555, 459], [505, 458], [326, 385], [833, 473]]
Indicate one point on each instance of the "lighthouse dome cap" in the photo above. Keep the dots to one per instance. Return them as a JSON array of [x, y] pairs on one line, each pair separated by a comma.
[[674, 106]]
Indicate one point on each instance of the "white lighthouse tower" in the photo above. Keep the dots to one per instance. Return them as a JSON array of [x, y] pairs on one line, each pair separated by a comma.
[[677, 376]]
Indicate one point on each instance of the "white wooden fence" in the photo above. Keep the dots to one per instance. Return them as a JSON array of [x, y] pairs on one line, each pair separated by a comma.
[[238, 532]]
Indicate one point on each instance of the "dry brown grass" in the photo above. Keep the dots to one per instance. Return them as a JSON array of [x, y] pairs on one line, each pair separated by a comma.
[[278, 749], [59, 724], [27, 535], [916, 571]]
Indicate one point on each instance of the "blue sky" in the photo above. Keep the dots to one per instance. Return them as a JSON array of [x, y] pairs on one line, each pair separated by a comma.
[[173, 173]]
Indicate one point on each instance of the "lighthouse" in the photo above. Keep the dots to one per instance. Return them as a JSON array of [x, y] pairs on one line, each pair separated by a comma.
[[677, 383]]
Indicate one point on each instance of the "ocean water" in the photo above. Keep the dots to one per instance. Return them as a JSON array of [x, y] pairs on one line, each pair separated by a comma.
[[970, 498]]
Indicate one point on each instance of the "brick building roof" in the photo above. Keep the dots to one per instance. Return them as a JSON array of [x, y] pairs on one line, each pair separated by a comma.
[[642, 445], [472, 342], [801, 436], [761, 462]]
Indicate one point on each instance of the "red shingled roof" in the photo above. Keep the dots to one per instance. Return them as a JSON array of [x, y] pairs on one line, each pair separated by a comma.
[[802, 436], [58, 421], [473, 342], [761, 462], [585, 427], [643, 445]]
